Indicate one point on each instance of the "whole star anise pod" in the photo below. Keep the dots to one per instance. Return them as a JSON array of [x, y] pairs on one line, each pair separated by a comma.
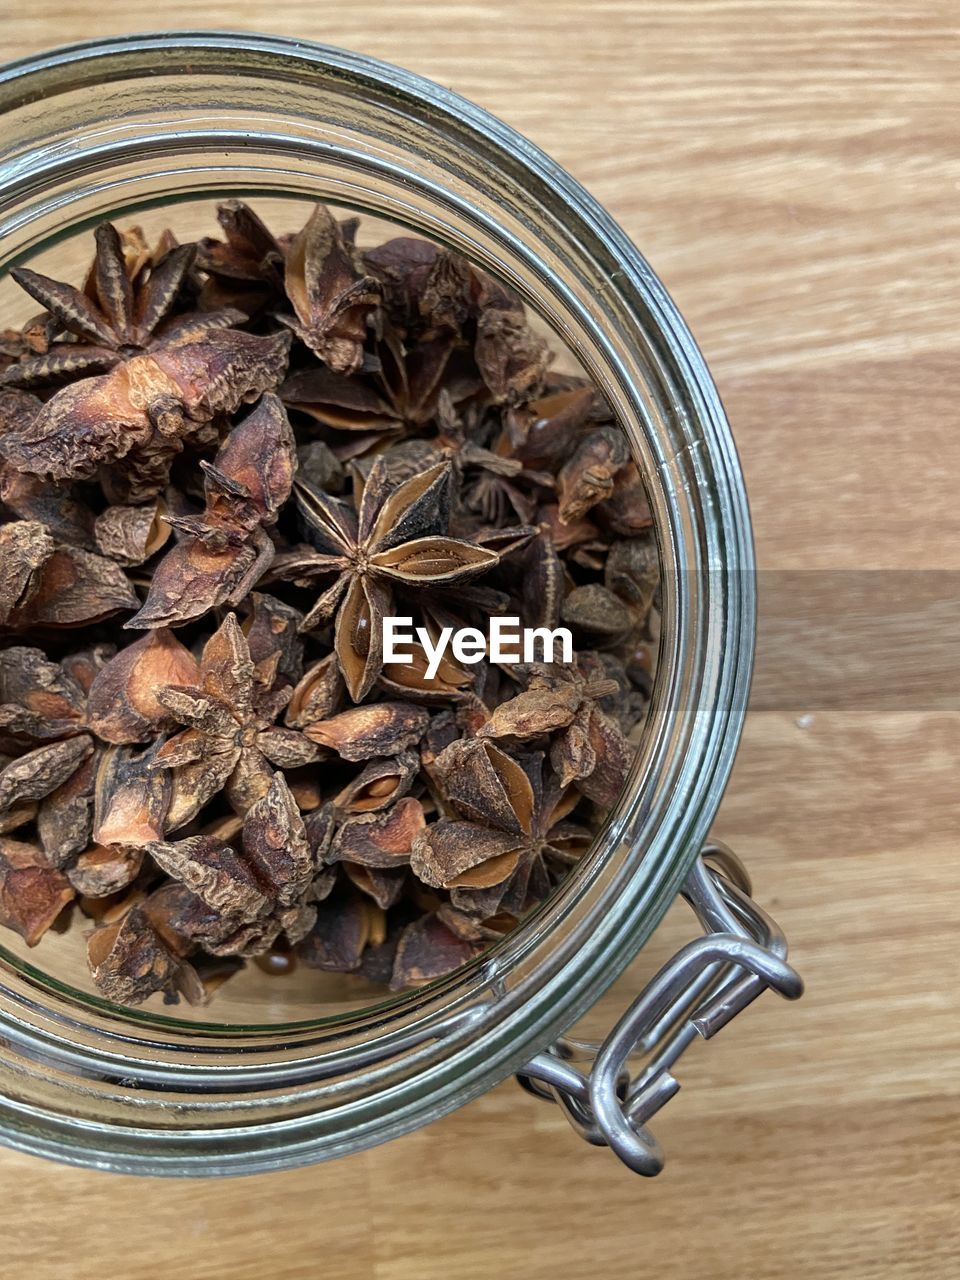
[[252, 893], [49, 775], [165, 382], [331, 294], [509, 838], [402, 394], [221, 554], [245, 269], [122, 311], [390, 538], [494, 488], [231, 739], [587, 747]]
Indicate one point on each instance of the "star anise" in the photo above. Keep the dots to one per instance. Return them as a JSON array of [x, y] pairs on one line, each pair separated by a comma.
[[587, 746], [427, 949], [373, 847], [346, 926], [330, 293], [508, 840], [231, 739], [168, 377], [582, 541], [495, 488], [596, 616], [131, 960], [125, 309], [32, 891], [487, 317], [589, 476], [144, 410], [132, 797], [626, 512], [403, 265], [50, 773], [380, 784], [343, 403], [402, 394], [245, 269], [221, 554], [122, 707], [130, 535], [260, 783], [420, 355], [46, 583], [372, 731], [544, 432], [61, 510], [389, 538], [254, 893], [272, 627]]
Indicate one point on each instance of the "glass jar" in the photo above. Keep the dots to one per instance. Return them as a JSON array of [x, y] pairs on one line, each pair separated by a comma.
[[109, 129]]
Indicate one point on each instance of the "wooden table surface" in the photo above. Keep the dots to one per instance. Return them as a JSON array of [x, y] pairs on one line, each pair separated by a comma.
[[791, 170]]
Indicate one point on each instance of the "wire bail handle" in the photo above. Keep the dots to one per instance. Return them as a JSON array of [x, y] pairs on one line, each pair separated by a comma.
[[696, 993]]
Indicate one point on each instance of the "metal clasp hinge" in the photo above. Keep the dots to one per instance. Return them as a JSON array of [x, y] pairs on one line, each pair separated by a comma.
[[707, 983]]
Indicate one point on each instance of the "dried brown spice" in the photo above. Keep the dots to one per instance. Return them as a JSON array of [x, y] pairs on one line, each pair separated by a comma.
[[65, 815], [589, 476], [48, 777], [273, 627], [380, 729], [379, 784], [44, 583], [132, 797], [390, 537], [120, 311], [243, 888], [508, 836], [319, 694], [330, 293], [587, 746], [143, 411], [167, 375], [382, 839], [130, 535], [245, 269], [123, 706], [221, 554], [240, 776], [32, 894], [428, 949], [129, 960], [42, 770], [231, 740], [65, 517], [25, 547], [343, 929], [39, 699], [105, 869]]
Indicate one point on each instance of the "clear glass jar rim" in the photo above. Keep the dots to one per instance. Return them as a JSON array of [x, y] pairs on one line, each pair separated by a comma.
[[702, 518]]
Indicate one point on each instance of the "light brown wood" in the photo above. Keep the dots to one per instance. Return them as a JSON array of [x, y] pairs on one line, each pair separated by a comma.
[[790, 168]]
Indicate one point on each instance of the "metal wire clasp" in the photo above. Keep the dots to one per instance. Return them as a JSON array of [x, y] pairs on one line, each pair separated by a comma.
[[706, 984]]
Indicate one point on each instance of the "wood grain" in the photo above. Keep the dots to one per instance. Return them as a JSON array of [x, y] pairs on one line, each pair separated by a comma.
[[790, 168]]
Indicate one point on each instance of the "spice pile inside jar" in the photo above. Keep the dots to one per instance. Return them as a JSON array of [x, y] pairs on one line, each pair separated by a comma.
[[263, 497]]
